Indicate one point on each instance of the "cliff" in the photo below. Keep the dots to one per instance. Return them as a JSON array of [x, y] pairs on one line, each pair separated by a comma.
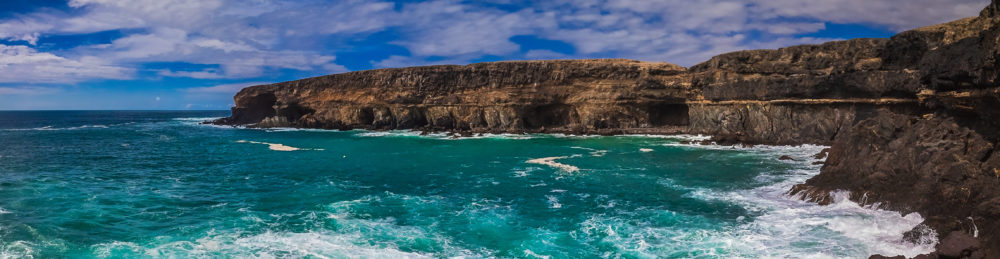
[[587, 96], [912, 120]]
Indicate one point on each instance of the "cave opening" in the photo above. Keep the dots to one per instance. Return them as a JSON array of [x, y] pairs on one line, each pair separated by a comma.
[[255, 109], [547, 116], [668, 114]]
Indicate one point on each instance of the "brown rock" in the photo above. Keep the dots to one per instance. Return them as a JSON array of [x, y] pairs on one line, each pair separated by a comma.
[[822, 153], [959, 245]]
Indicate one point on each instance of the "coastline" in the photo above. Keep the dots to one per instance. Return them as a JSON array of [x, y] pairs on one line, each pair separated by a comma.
[[763, 197], [910, 126]]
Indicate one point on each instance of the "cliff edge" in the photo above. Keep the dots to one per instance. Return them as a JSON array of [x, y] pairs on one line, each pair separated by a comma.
[[913, 120]]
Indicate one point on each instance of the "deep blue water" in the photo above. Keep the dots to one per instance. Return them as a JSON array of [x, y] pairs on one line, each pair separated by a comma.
[[128, 184]]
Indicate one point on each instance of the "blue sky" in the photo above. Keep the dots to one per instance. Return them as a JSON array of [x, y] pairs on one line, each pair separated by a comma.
[[195, 54]]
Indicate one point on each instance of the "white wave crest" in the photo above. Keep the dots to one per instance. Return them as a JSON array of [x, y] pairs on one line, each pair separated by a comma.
[[786, 221], [198, 119], [17, 249], [264, 245], [553, 202], [593, 152], [441, 135], [681, 137], [50, 128]]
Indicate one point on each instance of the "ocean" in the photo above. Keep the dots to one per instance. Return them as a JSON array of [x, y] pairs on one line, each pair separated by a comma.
[[127, 184]]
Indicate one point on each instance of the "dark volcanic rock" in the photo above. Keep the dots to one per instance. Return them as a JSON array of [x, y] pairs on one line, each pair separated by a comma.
[[822, 154], [959, 245], [834, 70], [933, 166], [942, 164], [913, 120]]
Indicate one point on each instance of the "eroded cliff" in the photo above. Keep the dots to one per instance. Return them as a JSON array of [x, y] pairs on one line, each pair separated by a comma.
[[912, 120], [585, 96]]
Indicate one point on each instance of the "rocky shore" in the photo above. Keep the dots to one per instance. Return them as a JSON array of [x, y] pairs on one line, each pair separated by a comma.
[[912, 120]]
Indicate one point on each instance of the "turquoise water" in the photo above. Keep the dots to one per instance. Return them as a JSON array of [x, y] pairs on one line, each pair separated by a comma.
[[158, 184]]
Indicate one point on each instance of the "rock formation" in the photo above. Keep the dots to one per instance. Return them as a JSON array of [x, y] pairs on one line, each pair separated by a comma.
[[587, 96], [912, 120]]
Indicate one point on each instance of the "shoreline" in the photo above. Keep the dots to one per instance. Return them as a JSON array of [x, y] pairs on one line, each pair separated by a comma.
[[843, 200], [911, 120]]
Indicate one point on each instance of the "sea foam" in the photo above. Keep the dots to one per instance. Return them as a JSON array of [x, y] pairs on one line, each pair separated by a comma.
[[787, 221], [551, 161], [264, 245], [276, 146], [51, 128]]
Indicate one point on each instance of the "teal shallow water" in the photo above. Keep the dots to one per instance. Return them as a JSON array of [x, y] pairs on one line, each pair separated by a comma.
[[157, 184]]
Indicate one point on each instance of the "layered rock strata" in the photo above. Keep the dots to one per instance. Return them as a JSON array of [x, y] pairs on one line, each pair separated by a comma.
[[912, 120]]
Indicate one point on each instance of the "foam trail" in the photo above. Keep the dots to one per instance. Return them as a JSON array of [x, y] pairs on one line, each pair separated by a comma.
[[683, 137], [550, 161], [50, 128], [440, 135], [198, 119], [276, 146], [593, 152], [265, 245]]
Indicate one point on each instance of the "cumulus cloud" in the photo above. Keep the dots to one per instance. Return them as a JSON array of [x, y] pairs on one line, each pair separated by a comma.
[[896, 15], [23, 64], [244, 38], [248, 39]]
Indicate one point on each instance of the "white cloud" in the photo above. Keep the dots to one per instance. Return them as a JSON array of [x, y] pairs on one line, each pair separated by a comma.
[[23, 30], [28, 90], [23, 64], [397, 61], [544, 54], [250, 38], [204, 74], [228, 89], [244, 38], [448, 28], [896, 15]]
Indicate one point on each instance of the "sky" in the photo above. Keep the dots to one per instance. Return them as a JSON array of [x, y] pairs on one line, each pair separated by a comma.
[[195, 54]]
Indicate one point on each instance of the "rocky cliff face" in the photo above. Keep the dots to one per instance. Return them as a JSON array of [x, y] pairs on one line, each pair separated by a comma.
[[912, 120], [586, 96], [942, 163]]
